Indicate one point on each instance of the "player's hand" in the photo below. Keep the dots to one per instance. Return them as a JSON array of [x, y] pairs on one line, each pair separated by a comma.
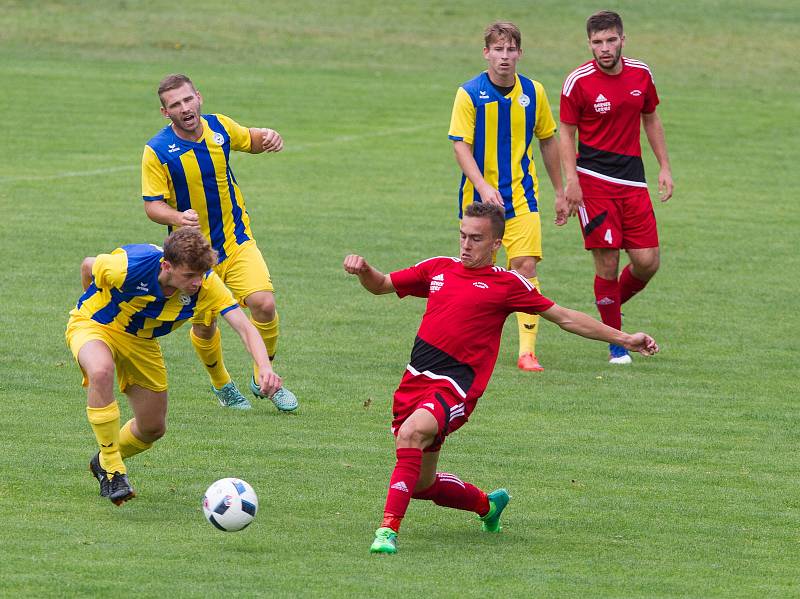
[[269, 382], [189, 218], [561, 208], [643, 343], [271, 140], [665, 184], [355, 264], [489, 195], [573, 196]]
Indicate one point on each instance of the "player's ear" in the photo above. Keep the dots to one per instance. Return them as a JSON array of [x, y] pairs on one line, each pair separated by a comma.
[[164, 112]]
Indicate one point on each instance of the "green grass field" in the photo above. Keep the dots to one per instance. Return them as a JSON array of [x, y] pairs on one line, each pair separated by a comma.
[[676, 477]]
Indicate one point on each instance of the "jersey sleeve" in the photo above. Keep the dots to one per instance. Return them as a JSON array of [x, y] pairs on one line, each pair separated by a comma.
[[650, 96], [110, 270], [524, 297], [545, 123], [570, 108], [462, 120], [155, 180], [240, 136], [214, 297]]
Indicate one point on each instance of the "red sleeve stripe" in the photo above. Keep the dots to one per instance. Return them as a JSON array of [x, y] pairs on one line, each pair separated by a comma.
[[637, 64], [574, 76]]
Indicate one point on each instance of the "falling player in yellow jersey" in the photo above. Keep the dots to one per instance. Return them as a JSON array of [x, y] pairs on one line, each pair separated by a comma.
[[131, 297], [187, 182]]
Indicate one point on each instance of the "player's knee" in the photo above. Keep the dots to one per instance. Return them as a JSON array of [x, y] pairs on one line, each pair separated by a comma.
[[645, 266], [410, 435], [152, 431], [100, 374], [204, 332], [262, 306], [524, 265]]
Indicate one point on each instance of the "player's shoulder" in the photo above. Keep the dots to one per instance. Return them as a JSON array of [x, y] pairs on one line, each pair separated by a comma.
[[581, 73], [474, 86], [530, 86], [511, 277], [637, 67], [162, 139], [143, 266], [438, 261]]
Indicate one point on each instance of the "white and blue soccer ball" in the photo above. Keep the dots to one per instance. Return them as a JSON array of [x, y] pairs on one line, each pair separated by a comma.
[[230, 504]]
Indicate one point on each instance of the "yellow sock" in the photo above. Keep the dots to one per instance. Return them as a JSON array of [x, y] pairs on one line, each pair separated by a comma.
[[105, 424], [269, 333], [130, 444], [528, 325], [210, 353]]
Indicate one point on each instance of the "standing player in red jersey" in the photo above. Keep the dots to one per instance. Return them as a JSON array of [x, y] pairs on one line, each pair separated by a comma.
[[453, 358], [604, 101]]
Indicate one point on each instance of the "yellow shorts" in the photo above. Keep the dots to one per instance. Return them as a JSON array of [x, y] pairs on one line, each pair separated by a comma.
[[138, 361], [244, 272], [523, 236]]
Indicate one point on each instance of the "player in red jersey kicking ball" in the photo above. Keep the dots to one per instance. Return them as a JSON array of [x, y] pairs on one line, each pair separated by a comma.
[[604, 100], [453, 358]]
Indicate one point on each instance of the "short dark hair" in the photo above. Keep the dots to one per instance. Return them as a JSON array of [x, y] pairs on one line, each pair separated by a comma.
[[502, 30], [173, 81], [491, 211], [187, 247], [603, 20]]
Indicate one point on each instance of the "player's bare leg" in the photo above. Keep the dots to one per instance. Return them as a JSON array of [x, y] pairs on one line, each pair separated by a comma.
[[527, 324]]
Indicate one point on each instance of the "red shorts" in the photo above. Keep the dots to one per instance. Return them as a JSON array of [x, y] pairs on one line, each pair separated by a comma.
[[448, 407], [623, 221]]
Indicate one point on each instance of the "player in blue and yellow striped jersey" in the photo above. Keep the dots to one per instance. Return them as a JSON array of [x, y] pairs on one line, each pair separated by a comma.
[[187, 182], [132, 296], [495, 118]]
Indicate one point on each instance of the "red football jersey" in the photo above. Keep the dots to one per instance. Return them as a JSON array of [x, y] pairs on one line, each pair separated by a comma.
[[607, 110], [459, 337]]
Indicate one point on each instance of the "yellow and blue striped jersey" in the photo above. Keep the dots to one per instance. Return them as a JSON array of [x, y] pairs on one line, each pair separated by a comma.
[[125, 294], [187, 174], [500, 130]]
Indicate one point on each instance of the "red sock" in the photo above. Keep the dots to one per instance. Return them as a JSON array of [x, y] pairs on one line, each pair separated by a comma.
[[401, 486], [629, 285], [606, 293], [449, 491]]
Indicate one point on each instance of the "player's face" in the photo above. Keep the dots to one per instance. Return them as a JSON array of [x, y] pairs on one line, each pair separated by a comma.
[[180, 277], [182, 106], [502, 56], [478, 242], [606, 47]]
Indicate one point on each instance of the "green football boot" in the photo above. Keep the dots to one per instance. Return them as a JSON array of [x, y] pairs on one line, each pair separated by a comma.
[[283, 399], [385, 541], [498, 500], [230, 397]]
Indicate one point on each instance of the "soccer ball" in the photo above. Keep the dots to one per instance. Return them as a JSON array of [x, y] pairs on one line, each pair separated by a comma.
[[230, 504]]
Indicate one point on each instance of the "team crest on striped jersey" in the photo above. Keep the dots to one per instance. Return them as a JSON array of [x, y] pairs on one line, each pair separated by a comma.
[[219, 139], [524, 101], [184, 299]]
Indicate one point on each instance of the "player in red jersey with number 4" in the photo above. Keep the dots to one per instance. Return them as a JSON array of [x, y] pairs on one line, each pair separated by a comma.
[[604, 101], [453, 358]]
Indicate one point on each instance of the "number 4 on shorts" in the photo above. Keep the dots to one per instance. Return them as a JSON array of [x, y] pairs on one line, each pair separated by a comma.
[[607, 237]]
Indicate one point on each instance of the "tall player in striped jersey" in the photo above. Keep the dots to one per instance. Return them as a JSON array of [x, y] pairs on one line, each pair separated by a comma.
[[187, 182], [496, 117], [131, 297], [604, 100], [452, 360]]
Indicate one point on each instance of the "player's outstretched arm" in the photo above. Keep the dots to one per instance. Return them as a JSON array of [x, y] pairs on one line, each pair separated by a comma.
[[162, 213], [268, 381], [265, 140], [586, 326], [370, 278]]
